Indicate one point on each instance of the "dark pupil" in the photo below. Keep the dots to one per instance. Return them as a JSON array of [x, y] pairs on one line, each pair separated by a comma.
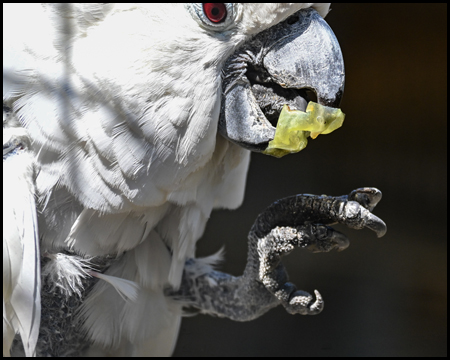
[[215, 11]]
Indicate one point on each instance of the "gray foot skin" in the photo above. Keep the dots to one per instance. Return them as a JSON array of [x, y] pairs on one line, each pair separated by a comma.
[[297, 221]]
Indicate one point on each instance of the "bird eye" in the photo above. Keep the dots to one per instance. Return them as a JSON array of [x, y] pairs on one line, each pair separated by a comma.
[[217, 17], [215, 12]]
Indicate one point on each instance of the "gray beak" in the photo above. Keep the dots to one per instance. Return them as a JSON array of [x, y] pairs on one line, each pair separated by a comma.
[[294, 62]]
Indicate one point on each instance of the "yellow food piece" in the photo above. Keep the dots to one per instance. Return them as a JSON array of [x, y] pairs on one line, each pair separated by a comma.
[[294, 126]]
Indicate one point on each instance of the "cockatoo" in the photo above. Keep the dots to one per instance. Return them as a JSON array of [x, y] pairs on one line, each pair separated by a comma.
[[124, 127]]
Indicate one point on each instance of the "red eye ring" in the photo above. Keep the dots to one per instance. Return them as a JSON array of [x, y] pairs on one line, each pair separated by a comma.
[[215, 12]]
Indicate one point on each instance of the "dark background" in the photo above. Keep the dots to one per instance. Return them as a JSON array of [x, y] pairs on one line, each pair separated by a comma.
[[383, 297]]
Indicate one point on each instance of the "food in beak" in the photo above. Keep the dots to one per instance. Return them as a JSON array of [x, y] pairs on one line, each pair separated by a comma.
[[294, 126]]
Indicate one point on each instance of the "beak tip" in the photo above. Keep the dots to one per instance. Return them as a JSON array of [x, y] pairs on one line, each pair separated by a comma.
[[333, 102]]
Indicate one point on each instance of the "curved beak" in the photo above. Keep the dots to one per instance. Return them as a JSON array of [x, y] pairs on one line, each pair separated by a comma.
[[292, 63]]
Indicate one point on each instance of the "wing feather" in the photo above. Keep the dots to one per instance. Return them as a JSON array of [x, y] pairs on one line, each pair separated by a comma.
[[21, 261]]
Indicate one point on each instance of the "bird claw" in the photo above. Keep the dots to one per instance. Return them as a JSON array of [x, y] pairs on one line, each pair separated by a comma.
[[299, 301], [327, 239], [297, 221], [357, 216], [367, 197], [306, 212], [303, 303]]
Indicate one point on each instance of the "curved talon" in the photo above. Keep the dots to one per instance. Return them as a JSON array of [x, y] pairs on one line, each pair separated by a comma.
[[328, 239], [301, 302], [335, 239], [374, 223], [318, 305], [367, 197], [356, 216], [342, 242]]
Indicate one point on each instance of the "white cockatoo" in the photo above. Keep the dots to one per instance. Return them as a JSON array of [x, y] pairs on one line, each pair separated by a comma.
[[124, 127]]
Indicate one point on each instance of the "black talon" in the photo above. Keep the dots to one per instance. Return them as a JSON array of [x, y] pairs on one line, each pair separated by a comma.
[[367, 197], [374, 223], [356, 216], [327, 239]]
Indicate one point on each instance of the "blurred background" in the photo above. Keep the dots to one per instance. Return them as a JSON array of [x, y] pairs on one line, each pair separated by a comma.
[[383, 297]]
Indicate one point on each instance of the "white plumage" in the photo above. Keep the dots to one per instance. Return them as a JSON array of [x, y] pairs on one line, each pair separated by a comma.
[[119, 107], [21, 266]]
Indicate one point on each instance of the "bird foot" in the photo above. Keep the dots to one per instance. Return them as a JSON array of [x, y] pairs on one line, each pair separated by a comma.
[[306, 219], [300, 221]]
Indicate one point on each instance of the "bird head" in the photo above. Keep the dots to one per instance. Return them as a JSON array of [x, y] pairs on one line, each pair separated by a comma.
[[292, 64], [225, 67]]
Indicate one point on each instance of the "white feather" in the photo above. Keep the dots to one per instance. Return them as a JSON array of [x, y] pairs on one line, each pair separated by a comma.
[[65, 272], [21, 264], [128, 290]]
